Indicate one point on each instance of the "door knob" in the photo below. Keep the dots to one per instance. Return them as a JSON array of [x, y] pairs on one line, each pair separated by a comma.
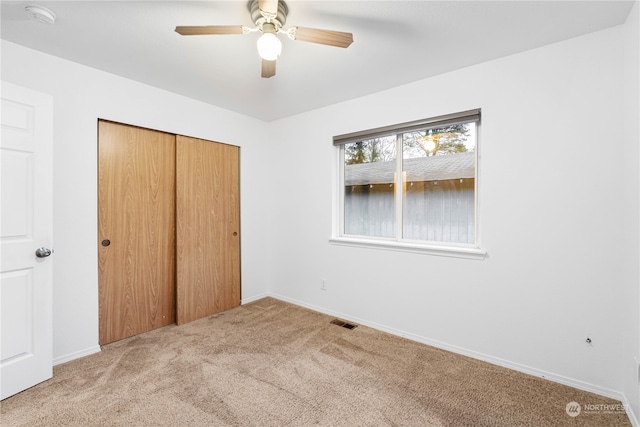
[[43, 252]]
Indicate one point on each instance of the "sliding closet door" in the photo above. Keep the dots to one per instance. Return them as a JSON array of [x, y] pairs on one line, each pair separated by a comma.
[[208, 221], [136, 230]]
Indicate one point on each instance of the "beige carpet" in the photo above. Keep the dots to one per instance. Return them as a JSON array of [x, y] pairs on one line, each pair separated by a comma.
[[270, 363]]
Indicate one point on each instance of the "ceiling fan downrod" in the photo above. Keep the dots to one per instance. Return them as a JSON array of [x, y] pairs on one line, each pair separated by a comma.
[[262, 16]]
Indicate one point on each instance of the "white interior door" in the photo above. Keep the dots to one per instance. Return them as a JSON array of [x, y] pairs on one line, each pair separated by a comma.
[[26, 153]]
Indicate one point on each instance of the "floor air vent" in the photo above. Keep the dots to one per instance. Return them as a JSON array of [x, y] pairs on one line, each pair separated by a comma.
[[343, 324]]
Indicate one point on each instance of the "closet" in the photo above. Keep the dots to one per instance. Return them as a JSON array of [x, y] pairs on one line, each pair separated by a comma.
[[168, 229]]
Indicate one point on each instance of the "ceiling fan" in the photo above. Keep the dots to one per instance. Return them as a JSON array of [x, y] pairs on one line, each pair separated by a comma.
[[269, 16]]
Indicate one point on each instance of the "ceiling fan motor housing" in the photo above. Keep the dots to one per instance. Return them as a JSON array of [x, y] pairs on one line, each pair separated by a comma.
[[258, 19]]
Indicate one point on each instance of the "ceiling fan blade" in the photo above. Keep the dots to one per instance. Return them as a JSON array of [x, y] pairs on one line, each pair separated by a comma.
[[331, 38], [269, 6], [209, 29], [268, 68]]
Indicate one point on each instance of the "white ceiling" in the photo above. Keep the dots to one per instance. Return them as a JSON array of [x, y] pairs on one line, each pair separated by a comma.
[[395, 42]]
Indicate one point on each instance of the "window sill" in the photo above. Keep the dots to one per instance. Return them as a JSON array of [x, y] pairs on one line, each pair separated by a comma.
[[467, 252]]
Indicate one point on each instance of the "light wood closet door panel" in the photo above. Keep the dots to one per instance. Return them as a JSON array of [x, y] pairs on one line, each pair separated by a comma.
[[136, 200], [208, 221]]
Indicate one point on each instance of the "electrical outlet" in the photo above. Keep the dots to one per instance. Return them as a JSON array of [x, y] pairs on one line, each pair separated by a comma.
[[323, 284], [637, 360]]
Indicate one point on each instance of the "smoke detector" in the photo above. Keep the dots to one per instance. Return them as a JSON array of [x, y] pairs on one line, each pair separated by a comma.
[[41, 14]]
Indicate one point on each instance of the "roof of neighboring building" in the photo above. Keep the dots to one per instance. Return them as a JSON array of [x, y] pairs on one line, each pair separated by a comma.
[[434, 168]]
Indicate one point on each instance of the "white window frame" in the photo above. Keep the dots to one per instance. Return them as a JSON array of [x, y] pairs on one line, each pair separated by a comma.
[[338, 237]]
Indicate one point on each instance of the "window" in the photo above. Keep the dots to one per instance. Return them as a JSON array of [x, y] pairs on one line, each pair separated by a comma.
[[411, 186]]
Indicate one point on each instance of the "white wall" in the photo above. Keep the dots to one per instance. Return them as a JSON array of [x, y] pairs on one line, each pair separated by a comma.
[[551, 203], [81, 96], [631, 217]]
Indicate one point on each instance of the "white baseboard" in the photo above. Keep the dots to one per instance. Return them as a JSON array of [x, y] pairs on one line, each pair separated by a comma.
[[78, 354], [632, 416], [255, 298], [580, 385]]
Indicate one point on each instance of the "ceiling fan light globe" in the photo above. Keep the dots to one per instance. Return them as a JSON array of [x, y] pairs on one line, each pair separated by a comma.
[[269, 47]]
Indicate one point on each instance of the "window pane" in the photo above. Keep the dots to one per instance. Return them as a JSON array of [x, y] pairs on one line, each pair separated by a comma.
[[369, 201], [439, 169]]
